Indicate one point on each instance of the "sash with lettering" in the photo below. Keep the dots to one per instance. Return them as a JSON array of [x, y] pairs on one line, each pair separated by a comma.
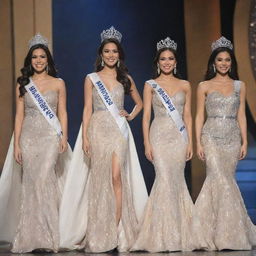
[[170, 107], [109, 103], [43, 107]]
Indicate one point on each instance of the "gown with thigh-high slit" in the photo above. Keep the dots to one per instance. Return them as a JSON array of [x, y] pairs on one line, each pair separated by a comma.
[[99, 232], [167, 224], [220, 207], [30, 212]]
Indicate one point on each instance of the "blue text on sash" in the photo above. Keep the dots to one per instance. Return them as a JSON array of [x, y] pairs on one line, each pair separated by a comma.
[[166, 99], [41, 102], [104, 93]]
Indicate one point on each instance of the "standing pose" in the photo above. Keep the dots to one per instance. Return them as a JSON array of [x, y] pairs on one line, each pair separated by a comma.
[[221, 142], [109, 200], [29, 213], [167, 222]]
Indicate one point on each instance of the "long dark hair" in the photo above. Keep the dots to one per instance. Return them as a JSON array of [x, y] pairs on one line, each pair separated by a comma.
[[156, 59], [27, 70], [122, 71], [210, 71]]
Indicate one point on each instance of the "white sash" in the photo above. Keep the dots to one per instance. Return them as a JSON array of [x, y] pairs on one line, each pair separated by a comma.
[[170, 107], [43, 107], [109, 103]]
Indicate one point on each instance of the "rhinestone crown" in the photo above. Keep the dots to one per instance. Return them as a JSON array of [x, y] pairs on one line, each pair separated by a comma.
[[222, 42], [38, 39], [111, 33], [166, 43]]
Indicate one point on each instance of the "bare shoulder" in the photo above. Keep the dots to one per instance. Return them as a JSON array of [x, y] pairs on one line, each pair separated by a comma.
[[87, 81], [204, 86], [147, 86], [59, 83], [242, 84], [131, 79], [185, 84]]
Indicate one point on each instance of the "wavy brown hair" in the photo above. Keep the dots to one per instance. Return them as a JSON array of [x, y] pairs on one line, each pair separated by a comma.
[[28, 71]]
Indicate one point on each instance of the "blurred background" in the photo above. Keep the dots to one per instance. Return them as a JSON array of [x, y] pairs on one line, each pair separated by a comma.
[[73, 29]]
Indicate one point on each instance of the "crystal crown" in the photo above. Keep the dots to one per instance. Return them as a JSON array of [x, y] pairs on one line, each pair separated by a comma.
[[38, 39], [166, 43], [222, 42], [111, 33]]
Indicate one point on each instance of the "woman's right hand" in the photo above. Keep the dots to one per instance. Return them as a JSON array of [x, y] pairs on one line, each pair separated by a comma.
[[17, 154], [148, 152], [200, 152], [86, 147]]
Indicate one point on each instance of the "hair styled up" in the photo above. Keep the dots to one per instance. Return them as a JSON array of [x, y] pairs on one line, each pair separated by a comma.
[[210, 71], [156, 60], [27, 70], [122, 71]]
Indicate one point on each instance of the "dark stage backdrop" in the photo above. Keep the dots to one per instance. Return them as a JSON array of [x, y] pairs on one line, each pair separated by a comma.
[[76, 36]]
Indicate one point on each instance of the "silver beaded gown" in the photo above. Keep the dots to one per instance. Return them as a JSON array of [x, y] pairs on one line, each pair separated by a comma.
[[168, 221], [220, 207], [30, 194], [38, 225], [105, 140], [91, 224]]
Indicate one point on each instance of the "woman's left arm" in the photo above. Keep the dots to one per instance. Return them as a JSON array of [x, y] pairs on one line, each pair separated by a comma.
[[137, 100], [62, 115], [188, 119], [241, 118]]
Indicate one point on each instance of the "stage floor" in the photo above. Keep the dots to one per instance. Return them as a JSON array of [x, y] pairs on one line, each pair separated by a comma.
[[196, 253]]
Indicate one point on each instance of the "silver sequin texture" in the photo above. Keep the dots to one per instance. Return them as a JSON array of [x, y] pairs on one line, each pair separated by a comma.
[[102, 233], [225, 223], [168, 223], [38, 225]]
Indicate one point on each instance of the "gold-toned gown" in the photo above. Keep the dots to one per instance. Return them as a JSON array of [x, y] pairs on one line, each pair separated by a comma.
[[40, 196], [168, 223], [225, 223], [105, 138]]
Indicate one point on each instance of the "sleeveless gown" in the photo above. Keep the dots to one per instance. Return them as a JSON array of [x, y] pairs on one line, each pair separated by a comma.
[[220, 207], [168, 221], [94, 224], [30, 195]]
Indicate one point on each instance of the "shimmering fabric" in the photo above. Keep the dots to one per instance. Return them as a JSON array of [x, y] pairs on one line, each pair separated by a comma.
[[167, 224], [38, 225], [225, 223], [105, 138]]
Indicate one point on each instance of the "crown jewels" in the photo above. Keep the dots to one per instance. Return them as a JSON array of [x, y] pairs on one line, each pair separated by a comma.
[[38, 39], [111, 33], [222, 42], [166, 43]]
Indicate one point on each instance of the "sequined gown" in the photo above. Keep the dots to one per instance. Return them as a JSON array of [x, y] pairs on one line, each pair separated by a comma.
[[168, 218], [38, 224], [102, 233], [225, 223]]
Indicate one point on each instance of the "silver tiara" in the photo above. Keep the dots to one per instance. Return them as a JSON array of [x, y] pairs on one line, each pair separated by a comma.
[[38, 39], [222, 42], [111, 33], [166, 43]]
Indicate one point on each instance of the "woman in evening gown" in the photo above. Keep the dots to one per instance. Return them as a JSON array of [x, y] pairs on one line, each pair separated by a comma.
[[221, 142], [167, 224], [30, 189], [110, 192]]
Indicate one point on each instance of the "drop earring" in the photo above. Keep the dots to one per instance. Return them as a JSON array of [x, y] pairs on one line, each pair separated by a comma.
[[214, 69], [118, 63], [102, 62], [175, 70], [158, 69]]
